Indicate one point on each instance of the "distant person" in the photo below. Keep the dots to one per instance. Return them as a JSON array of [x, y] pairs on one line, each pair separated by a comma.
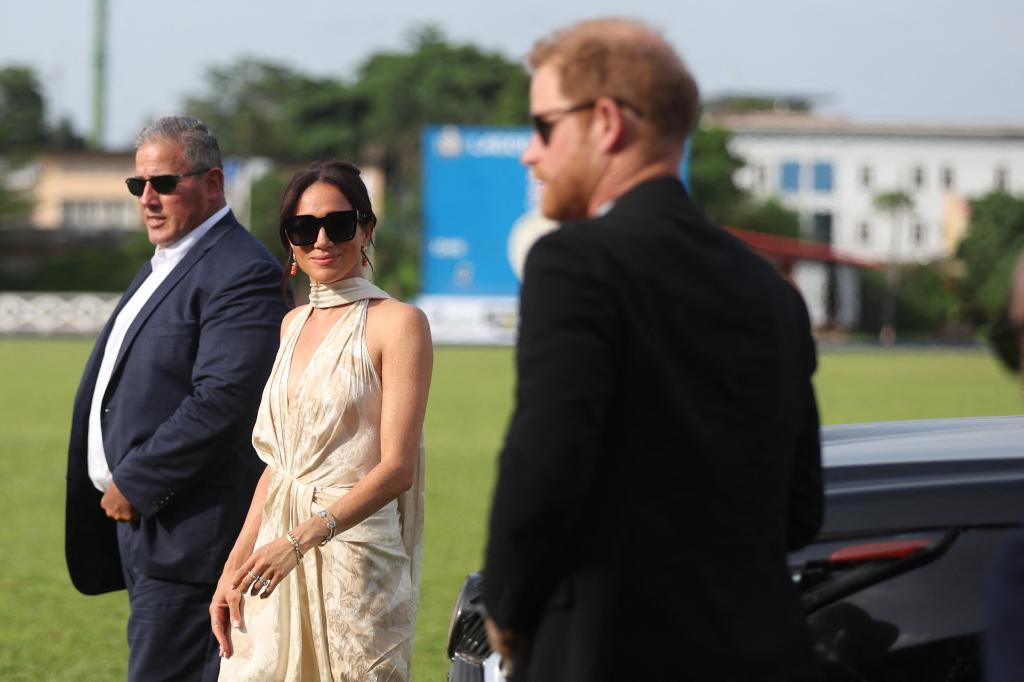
[[160, 463], [1004, 642], [664, 452], [332, 541], [1015, 312]]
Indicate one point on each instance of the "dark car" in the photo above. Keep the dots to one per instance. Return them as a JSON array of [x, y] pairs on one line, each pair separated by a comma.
[[894, 586]]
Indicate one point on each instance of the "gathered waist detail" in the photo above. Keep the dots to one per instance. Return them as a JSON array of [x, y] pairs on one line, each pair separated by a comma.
[[306, 499]]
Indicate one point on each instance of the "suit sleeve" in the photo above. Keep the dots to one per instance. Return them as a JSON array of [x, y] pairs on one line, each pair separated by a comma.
[[238, 339], [806, 496], [547, 465]]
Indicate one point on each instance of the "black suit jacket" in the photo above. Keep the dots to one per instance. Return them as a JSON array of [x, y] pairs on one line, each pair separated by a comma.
[[177, 415], [662, 456]]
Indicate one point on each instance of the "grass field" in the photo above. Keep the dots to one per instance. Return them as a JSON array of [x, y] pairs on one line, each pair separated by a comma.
[[50, 632]]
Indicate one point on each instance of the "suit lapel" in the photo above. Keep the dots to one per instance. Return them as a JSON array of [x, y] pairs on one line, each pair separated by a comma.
[[194, 255]]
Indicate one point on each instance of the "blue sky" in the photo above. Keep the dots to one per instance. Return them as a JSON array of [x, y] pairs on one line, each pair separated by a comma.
[[891, 60]]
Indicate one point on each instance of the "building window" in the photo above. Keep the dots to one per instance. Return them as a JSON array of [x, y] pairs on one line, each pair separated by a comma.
[[821, 227], [789, 176], [918, 176], [865, 233], [822, 177], [1002, 179], [919, 233], [98, 215], [865, 176], [948, 180]]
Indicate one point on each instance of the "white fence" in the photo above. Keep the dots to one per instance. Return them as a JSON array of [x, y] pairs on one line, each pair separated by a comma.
[[46, 313]]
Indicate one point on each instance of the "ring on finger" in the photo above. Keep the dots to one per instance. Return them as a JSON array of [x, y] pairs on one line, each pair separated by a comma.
[[253, 576], [265, 582]]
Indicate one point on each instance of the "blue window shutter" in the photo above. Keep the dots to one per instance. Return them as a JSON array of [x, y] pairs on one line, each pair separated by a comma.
[[822, 176], [789, 176]]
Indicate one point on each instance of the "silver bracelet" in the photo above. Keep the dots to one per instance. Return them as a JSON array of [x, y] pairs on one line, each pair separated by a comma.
[[331, 522], [298, 548]]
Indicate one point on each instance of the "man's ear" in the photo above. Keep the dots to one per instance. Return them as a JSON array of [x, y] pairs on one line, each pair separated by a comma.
[[612, 129], [213, 183]]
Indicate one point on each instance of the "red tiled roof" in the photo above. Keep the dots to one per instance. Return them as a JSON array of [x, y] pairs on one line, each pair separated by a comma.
[[775, 247]]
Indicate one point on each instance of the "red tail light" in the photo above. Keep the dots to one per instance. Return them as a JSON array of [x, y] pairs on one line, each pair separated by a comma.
[[874, 551]]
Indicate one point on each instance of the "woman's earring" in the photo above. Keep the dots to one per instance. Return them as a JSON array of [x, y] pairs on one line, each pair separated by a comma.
[[366, 259], [295, 267]]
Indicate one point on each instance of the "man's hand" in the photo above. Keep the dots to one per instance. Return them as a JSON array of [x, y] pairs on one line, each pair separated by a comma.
[[503, 642], [116, 505]]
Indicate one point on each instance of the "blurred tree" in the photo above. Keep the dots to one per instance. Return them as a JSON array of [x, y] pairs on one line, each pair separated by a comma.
[[995, 238], [768, 216], [13, 205], [266, 202], [898, 205], [927, 304], [712, 169], [23, 133], [251, 106], [22, 112]]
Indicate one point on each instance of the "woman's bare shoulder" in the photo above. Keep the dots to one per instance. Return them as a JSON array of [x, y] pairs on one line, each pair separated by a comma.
[[392, 316]]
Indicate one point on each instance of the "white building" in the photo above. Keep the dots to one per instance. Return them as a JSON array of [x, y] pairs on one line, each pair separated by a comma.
[[831, 170]]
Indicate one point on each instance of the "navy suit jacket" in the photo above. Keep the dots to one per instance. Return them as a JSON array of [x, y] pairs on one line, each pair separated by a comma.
[[662, 457], [177, 416]]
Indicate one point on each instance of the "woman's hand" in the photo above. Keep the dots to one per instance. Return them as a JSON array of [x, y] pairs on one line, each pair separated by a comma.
[[258, 575], [265, 568], [225, 607]]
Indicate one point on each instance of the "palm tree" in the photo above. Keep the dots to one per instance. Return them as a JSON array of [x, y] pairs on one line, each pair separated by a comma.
[[897, 204]]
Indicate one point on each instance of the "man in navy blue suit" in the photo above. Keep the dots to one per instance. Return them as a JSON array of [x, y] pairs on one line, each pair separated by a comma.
[[160, 465]]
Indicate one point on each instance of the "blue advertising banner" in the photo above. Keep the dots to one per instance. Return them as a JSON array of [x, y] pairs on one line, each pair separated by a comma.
[[479, 220]]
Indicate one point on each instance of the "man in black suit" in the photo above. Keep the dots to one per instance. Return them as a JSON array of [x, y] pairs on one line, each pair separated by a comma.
[[664, 452], [160, 465]]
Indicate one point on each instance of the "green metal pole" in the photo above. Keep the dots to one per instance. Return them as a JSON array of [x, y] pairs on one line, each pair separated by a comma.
[[99, 76]]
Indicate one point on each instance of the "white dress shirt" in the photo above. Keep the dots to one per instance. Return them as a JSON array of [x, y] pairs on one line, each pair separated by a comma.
[[163, 262]]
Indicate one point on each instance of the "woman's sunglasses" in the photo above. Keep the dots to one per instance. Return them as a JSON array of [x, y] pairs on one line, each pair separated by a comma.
[[302, 230], [163, 184]]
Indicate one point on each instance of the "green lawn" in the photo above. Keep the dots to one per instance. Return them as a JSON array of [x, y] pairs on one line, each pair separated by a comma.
[[50, 632]]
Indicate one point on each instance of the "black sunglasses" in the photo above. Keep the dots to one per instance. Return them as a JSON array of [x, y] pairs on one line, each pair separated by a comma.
[[302, 230], [544, 126], [163, 184]]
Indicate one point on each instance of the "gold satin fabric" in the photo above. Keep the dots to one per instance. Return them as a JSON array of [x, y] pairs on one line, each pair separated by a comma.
[[347, 612]]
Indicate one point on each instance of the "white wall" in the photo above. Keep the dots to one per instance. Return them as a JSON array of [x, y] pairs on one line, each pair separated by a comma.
[[892, 159]]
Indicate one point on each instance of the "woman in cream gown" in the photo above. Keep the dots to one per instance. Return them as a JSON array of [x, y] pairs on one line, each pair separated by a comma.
[[340, 430]]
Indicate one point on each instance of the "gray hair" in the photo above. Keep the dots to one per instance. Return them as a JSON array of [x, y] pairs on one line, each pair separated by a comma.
[[197, 142]]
